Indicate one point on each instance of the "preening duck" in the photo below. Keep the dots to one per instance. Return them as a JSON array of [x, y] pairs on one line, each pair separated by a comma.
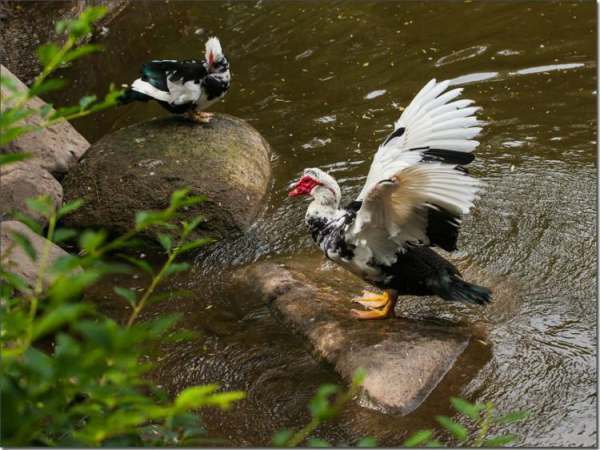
[[184, 87], [414, 197]]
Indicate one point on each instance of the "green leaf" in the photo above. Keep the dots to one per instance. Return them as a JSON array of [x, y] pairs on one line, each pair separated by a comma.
[[47, 52], [82, 50], [8, 83], [468, 409], [91, 240], [10, 116], [194, 397], [319, 405], [176, 267], [359, 377], [195, 244], [511, 417], [165, 241], [367, 442], [7, 135], [129, 296], [31, 223], [281, 438], [499, 441], [316, 442], [456, 429], [63, 234], [434, 443], [11, 158], [139, 263], [69, 207], [23, 241], [58, 317], [64, 112], [14, 280], [52, 84], [42, 204], [418, 439], [188, 227]]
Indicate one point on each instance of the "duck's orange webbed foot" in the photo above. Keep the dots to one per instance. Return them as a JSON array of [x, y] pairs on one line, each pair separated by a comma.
[[199, 116], [380, 306]]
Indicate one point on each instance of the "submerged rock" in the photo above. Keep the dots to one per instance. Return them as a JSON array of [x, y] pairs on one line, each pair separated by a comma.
[[138, 167], [404, 359]]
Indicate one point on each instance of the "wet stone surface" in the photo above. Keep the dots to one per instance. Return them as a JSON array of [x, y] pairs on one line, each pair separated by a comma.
[[404, 359]]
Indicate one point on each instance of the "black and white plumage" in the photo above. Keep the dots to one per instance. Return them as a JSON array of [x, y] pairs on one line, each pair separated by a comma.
[[184, 86], [414, 197]]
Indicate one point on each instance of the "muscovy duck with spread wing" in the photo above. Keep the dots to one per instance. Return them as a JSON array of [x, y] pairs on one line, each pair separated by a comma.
[[184, 87], [413, 199]]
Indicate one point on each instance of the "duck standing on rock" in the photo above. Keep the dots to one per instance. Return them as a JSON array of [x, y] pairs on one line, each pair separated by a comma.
[[414, 196], [184, 87]]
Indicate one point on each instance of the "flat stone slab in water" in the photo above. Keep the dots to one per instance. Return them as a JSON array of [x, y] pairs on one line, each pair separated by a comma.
[[404, 359]]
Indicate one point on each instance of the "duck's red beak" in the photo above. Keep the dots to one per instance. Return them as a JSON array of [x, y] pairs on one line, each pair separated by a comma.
[[303, 187]]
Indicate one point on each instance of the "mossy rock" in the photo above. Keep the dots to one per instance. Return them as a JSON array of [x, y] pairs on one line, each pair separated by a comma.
[[138, 167]]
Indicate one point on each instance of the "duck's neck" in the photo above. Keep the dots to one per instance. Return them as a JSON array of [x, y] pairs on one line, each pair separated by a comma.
[[321, 211]]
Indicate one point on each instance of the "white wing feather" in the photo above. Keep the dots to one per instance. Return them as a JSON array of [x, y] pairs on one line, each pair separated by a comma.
[[433, 119], [401, 189]]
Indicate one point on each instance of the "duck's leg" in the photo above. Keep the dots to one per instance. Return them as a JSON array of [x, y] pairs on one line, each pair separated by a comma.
[[381, 306], [199, 116]]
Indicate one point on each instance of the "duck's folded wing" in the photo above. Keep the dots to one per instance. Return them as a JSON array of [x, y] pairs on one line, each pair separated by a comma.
[[171, 81], [433, 127], [421, 204]]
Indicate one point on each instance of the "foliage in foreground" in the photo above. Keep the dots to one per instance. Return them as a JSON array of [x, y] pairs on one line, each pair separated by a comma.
[[483, 418], [70, 375]]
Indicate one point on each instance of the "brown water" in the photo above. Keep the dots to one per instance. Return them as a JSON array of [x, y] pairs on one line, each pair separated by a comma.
[[322, 82]]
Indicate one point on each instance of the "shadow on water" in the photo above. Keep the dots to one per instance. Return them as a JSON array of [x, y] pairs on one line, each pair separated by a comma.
[[323, 82]]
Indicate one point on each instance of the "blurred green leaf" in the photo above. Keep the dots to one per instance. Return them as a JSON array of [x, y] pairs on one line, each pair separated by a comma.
[[82, 50], [7, 135], [456, 429], [195, 244], [69, 207], [194, 397], [281, 438], [129, 296], [10, 158], [316, 442], [23, 241], [499, 441], [27, 220], [90, 240], [58, 317], [63, 234], [139, 263], [514, 416], [418, 439], [165, 241], [369, 442], [47, 52], [52, 84], [468, 409], [177, 267], [42, 204]]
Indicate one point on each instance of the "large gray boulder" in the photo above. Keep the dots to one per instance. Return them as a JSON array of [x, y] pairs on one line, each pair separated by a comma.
[[24, 180], [405, 359], [57, 148], [138, 167]]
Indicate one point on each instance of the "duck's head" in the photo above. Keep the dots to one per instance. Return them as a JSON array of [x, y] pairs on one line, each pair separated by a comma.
[[215, 59], [319, 185]]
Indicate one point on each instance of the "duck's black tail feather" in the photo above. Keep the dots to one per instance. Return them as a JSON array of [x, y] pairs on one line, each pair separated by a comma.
[[454, 288], [129, 95]]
